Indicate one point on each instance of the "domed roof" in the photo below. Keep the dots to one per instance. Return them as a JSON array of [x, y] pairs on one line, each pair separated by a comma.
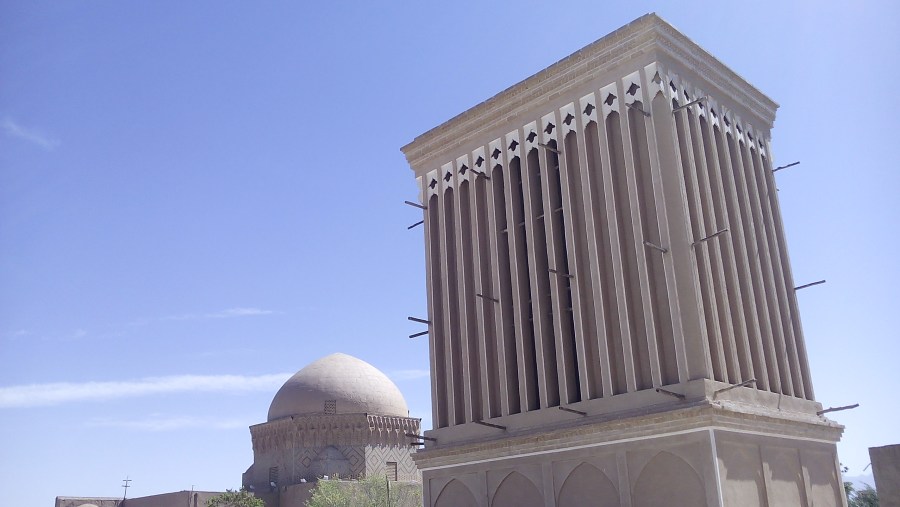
[[339, 384]]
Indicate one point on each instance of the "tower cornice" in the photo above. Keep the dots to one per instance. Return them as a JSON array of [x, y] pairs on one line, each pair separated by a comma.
[[647, 35]]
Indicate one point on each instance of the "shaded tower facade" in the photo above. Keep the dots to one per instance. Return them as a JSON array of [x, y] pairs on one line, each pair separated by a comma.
[[611, 308]]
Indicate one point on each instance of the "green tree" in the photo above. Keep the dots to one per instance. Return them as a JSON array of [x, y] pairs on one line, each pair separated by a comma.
[[865, 497], [368, 492], [231, 498]]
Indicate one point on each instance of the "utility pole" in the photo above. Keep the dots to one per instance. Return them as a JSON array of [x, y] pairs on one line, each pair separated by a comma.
[[126, 482]]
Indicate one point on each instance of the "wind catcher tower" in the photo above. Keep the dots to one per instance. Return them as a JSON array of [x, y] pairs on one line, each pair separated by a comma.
[[612, 314]]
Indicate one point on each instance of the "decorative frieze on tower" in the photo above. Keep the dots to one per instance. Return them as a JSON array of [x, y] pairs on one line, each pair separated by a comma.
[[605, 261]]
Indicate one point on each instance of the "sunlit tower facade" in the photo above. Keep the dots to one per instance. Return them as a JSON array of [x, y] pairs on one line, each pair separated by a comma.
[[612, 313]]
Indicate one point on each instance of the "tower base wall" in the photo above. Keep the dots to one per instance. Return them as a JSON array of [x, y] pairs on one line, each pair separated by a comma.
[[710, 454]]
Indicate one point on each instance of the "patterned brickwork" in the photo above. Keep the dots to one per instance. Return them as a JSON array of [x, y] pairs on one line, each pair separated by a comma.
[[377, 457], [348, 445]]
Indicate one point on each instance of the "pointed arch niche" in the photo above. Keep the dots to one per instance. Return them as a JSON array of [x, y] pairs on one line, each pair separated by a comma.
[[587, 482], [455, 493], [517, 491], [668, 480]]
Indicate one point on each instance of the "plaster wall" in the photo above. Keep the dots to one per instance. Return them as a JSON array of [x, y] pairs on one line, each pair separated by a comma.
[[70, 501], [886, 468], [174, 499], [678, 470]]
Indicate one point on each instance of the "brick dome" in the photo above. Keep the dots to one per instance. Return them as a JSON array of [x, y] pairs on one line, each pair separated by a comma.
[[338, 384]]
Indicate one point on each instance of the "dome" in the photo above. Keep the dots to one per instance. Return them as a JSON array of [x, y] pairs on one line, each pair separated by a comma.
[[339, 384]]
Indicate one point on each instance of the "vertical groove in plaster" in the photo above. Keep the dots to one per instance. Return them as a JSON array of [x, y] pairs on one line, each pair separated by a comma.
[[662, 349], [635, 342], [505, 295], [456, 370], [646, 323], [528, 378], [598, 174], [438, 345], [467, 300], [489, 363], [567, 360], [587, 354], [541, 304]]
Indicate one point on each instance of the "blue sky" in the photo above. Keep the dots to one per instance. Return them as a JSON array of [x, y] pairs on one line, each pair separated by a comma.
[[199, 198]]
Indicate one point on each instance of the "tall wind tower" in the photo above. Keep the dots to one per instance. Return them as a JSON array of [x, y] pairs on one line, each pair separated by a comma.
[[612, 317]]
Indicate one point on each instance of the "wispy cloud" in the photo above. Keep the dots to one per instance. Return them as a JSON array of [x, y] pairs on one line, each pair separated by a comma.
[[17, 334], [400, 375], [36, 395], [31, 135], [169, 423], [224, 314]]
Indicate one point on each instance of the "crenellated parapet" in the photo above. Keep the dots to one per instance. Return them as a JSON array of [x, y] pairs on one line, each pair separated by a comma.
[[316, 431]]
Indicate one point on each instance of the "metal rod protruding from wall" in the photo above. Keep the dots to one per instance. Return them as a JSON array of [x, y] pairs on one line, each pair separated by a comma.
[[423, 437], [689, 104], [415, 205], [415, 224], [670, 393], [835, 409], [416, 335], [567, 409], [555, 272], [656, 247], [711, 236], [632, 105], [785, 166], [490, 425], [483, 175], [809, 285], [482, 296], [551, 148], [735, 386], [416, 319]]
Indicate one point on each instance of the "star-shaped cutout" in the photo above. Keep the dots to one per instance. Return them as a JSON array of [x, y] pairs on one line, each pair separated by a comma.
[[513, 144], [589, 108], [568, 119], [672, 85], [550, 127], [448, 176], [463, 168], [633, 89], [496, 153], [609, 99], [479, 161], [530, 138], [656, 78], [433, 184]]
